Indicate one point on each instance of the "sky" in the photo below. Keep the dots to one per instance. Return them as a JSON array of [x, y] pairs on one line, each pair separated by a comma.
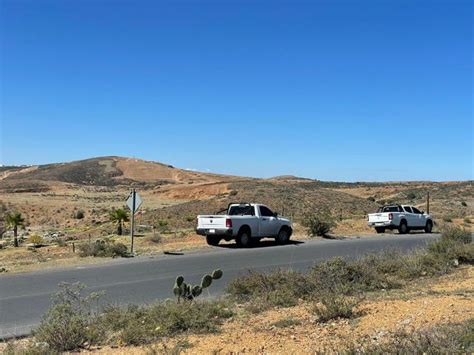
[[376, 90]]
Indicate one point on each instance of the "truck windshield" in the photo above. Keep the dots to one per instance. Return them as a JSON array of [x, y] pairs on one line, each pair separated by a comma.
[[241, 211]]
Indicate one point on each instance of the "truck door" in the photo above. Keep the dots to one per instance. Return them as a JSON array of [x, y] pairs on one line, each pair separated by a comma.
[[269, 225], [410, 217], [419, 217]]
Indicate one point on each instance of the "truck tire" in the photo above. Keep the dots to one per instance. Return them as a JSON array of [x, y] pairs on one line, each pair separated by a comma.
[[212, 240], [380, 229], [283, 236], [403, 227], [243, 239], [429, 226]]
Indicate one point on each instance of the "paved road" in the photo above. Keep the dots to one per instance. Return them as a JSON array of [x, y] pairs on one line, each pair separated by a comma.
[[25, 297]]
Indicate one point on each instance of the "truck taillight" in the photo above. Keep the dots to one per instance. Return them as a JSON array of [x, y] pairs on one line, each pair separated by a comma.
[[228, 223], [390, 216]]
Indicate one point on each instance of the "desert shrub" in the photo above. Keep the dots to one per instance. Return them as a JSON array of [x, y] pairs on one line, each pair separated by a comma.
[[61, 242], [279, 288], [463, 203], [36, 239], [233, 192], [68, 324], [467, 220], [332, 306], [163, 225], [318, 225], [136, 325], [103, 248], [339, 276], [156, 238], [456, 234], [79, 214], [447, 219], [371, 198], [411, 195]]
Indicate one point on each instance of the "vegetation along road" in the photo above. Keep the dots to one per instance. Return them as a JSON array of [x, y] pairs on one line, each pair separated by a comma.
[[24, 298]]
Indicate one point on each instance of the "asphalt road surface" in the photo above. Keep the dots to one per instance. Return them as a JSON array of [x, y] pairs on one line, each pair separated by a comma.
[[24, 298]]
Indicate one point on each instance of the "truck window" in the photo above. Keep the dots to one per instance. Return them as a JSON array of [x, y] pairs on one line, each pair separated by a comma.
[[242, 211], [266, 212], [407, 209], [390, 209], [416, 210]]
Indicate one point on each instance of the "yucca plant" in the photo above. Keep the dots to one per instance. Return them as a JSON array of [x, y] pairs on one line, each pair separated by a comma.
[[119, 216], [14, 220]]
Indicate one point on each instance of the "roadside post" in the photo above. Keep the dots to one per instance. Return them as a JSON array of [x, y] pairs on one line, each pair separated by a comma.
[[134, 201]]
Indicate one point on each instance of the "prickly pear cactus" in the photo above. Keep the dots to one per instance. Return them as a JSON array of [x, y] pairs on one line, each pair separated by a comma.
[[206, 281], [217, 274], [184, 291]]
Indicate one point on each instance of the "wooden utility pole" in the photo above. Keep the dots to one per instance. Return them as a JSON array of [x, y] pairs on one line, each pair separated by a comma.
[[428, 203]]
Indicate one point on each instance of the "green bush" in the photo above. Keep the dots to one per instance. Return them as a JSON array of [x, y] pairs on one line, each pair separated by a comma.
[[332, 306], [137, 325], [339, 276], [103, 248], [156, 238], [319, 225], [463, 203], [279, 288], [68, 324], [467, 220]]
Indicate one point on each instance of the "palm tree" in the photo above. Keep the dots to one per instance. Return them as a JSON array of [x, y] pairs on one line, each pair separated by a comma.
[[119, 216], [14, 220]]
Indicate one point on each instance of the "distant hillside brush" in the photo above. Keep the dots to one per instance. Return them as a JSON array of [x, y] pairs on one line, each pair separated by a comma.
[[319, 224], [156, 238], [79, 214], [36, 239], [119, 216], [103, 248]]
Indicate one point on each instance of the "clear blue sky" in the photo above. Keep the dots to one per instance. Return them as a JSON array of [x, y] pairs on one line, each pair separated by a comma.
[[333, 90]]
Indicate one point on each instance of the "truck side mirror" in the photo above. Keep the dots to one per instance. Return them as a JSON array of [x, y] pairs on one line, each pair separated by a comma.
[[275, 214]]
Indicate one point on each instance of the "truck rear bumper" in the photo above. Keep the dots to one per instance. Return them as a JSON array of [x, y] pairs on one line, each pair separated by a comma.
[[208, 231], [381, 224]]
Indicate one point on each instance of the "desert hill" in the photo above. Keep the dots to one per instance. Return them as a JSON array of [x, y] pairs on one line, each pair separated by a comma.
[[106, 171], [50, 195]]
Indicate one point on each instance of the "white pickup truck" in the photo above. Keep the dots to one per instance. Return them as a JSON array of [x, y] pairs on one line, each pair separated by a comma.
[[246, 223], [401, 217]]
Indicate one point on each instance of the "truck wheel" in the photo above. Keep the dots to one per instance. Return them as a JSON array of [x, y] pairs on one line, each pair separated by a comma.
[[428, 227], [243, 239], [380, 229], [212, 240], [403, 228], [283, 236]]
